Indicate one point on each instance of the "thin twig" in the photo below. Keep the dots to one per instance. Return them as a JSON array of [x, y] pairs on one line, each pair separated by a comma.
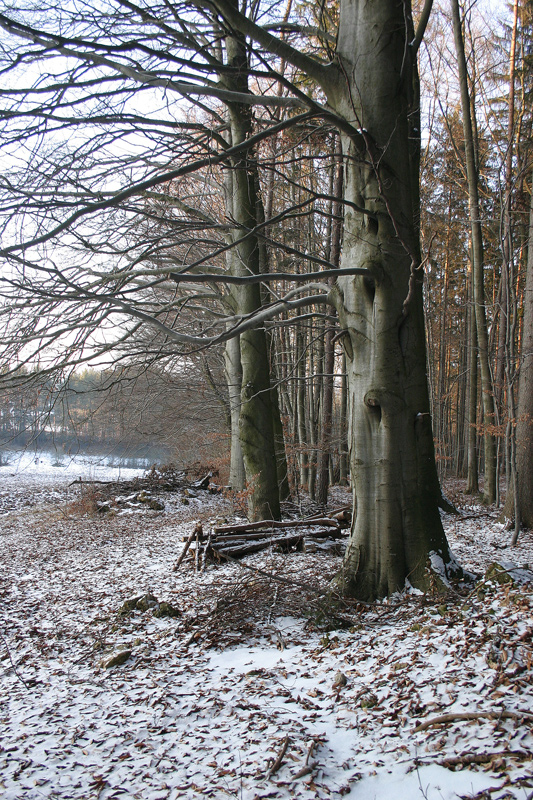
[[205, 551], [271, 576], [13, 665]]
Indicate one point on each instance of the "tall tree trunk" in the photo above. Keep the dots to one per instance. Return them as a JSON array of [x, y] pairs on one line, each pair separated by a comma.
[[506, 268], [524, 423], [256, 428], [489, 493], [233, 372], [397, 527], [301, 358], [472, 477], [266, 297], [313, 411], [508, 320], [324, 450], [343, 427]]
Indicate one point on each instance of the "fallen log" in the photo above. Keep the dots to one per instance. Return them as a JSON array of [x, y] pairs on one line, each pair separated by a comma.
[[240, 550], [332, 514], [324, 533], [239, 547], [272, 523]]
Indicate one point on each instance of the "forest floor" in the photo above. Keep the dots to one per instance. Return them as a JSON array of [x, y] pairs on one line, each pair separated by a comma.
[[257, 688]]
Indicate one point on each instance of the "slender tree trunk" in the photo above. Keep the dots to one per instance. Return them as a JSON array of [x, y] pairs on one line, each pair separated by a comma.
[[256, 427], [489, 494], [233, 371], [324, 449], [303, 438], [313, 410], [279, 439], [472, 477], [506, 267], [522, 495], [343, 427], [508, 319]]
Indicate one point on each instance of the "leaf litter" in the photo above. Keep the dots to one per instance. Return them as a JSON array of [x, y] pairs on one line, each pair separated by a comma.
[[257, 685]]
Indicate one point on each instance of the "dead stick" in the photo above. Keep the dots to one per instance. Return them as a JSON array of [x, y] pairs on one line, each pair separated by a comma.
[[469, 715], [305, 770], [187, 545], [279, 760], [80, 482], [196, 551], [483, 758], [205, 551], [13, 665], [331, 513], [244, 549]]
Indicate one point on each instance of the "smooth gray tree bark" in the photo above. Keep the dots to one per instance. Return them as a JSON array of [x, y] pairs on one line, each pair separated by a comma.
[[233, 371], [397, 528]]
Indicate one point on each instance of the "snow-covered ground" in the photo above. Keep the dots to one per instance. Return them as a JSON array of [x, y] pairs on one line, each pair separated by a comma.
[[255, 670]]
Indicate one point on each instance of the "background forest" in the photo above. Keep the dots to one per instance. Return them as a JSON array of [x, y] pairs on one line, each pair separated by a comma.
[[186, 237]]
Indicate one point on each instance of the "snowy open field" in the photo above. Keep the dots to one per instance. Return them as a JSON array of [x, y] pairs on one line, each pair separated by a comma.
[[32, 478], [248, 674]]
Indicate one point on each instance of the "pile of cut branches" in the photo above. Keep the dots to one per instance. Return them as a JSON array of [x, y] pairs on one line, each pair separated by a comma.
[[157, 479], [227, 542]]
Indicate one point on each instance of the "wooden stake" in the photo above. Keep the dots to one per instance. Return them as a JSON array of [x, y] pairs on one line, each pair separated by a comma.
[[197, 531]]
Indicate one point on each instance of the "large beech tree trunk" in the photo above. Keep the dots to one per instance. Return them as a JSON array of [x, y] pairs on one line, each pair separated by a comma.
[[397, 526]]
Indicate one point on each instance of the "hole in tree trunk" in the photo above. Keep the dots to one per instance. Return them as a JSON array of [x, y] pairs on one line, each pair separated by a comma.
[[372, 226], [370, 287]]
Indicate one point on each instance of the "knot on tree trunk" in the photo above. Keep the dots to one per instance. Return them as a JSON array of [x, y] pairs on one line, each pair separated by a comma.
[[384, 401]]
